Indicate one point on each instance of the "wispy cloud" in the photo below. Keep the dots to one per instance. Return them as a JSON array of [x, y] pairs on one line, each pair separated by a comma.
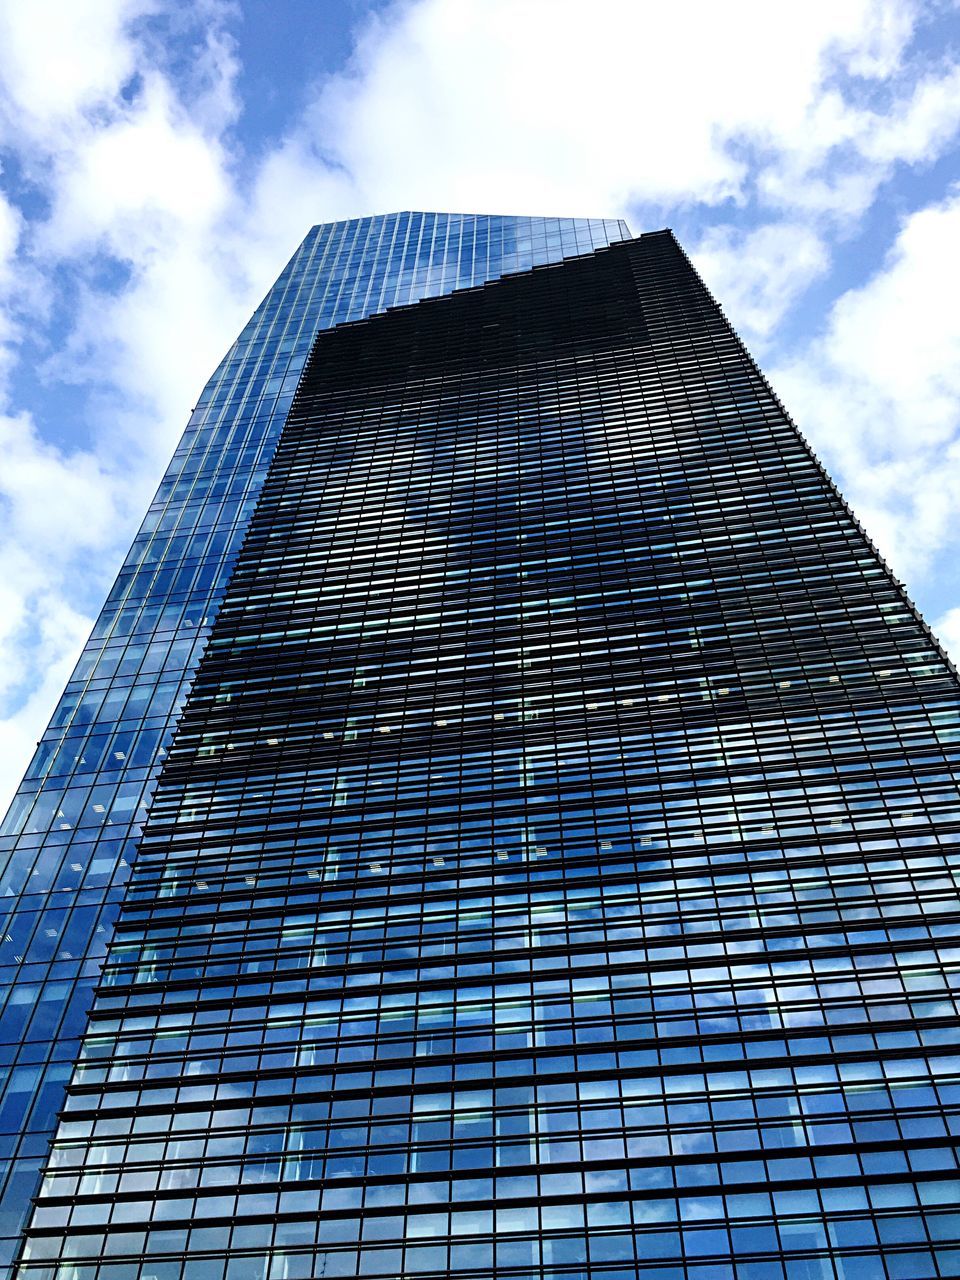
[[758, 273], [878, 391]]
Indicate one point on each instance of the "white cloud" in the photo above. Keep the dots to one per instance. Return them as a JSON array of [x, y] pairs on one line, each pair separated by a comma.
[[58, 514], [10, 229], [125, 180], [72, 483], [43, 654], [10, 223], [60, 58], [878, 392], [757, 274], [947, 630], [920, 125]]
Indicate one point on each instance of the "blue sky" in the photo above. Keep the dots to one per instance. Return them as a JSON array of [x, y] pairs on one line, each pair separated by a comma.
[[159, 162]]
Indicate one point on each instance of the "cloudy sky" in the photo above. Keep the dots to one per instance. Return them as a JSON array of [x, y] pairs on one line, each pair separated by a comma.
[[160, 162]]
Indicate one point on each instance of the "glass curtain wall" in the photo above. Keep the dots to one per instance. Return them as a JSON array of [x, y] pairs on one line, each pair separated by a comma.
[[553, 871], [69, 839]]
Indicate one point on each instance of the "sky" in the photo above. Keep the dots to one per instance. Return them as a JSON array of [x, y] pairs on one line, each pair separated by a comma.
[[159, 163]]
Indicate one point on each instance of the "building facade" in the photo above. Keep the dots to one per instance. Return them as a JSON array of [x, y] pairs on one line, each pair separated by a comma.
[[551, 873], [70, 837]]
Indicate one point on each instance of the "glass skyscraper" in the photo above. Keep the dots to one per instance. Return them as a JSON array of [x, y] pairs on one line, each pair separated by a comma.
[[550, 873], [70, 837]]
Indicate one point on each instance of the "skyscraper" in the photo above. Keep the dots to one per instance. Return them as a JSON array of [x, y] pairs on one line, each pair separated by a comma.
[[551, 871], [70, 836]]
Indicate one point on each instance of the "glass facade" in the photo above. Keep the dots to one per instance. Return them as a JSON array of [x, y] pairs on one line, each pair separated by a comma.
[[551, 875], [69, 840]]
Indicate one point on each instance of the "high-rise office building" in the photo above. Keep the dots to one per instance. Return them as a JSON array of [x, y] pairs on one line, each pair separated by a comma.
[[68, 841], [552, 870]]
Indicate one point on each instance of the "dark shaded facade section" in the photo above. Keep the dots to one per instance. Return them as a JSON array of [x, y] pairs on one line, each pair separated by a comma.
[[552, 873]]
